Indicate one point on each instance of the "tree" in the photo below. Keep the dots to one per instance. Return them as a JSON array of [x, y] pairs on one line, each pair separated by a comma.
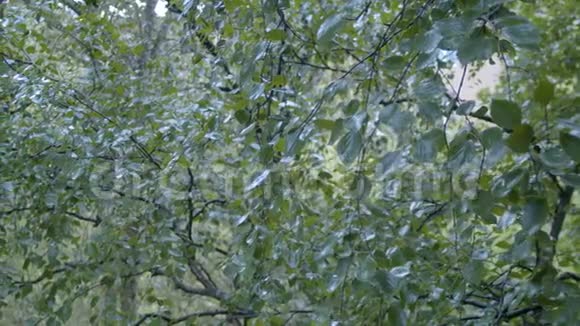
[[288, 162]]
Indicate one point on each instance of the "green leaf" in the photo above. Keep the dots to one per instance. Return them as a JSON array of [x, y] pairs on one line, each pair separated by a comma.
[[278, 81], [571, 179], [476, 48], [429, 88], [395, 117], [453, 31], [491, 137], [480, 112], [483, 204], [256, 91], [356, 122], [504, 184], [329, 28], [64, 313], [361, 187], [349, 146], [520, 139], [473, 272], [325, 124], [519, 31], [465, 107], [544, 92], [386, 280], [397, 315], [426, 149], [352, 107], [395, 62], [461, 151], [401, 271], [389, 162], [258, 180], [334, 282], [337, 278], [556, 158], [425, 60], [506, 114], [232, 5], [430, 111], [427, 42], [571, 145], [535, 214], [506, 47], [337, 131], [276, 35]]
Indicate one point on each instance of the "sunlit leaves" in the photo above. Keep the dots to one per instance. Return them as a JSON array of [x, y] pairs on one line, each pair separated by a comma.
[[274, 119], [258, 180]]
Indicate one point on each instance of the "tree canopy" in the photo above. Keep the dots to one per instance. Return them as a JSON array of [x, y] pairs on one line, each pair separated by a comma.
[[289, 162]]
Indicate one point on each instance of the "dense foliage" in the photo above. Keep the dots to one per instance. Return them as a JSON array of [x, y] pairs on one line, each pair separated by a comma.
[[288, 162]]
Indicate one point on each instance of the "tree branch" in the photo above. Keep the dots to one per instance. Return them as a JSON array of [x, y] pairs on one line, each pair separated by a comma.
[[569, 276], [563, 201], [521, 312], [474, 303], [193, 215], [202, 275], [197, 291], [14, 210], [214, 313], [432, 215], [96, 221]]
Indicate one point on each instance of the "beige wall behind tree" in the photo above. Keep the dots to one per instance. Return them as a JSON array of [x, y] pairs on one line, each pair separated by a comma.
[[485, 78]]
